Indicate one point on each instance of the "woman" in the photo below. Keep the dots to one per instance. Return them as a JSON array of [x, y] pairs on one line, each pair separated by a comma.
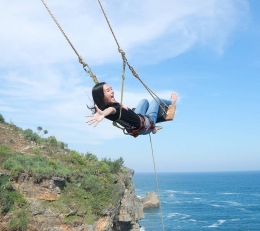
[[139, 122]]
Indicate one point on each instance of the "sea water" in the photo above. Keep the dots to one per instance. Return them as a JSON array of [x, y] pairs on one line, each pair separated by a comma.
[[202, 201]]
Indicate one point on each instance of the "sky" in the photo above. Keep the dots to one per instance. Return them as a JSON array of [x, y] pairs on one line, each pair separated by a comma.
[[208, 51]]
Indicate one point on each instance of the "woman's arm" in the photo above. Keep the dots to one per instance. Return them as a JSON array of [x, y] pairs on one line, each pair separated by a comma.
[[99, 115]]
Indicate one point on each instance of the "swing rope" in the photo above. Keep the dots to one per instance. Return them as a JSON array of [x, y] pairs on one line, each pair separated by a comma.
[[122, 88], [157, 185], [86, 65], [88, 70], [151, 93], [156, 98]]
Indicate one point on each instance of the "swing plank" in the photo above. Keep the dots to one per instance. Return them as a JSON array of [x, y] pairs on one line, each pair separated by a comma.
[[170, 112], [167, 114]]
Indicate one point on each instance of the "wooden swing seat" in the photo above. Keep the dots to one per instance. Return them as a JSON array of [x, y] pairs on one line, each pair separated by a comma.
[[168, 116]]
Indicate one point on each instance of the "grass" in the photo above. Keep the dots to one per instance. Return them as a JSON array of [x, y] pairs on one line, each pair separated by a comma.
[[12, 201], [90, 189]]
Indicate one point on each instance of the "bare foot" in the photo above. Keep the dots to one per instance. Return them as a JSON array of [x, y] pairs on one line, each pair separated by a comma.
[[174, 98], [156, 128]]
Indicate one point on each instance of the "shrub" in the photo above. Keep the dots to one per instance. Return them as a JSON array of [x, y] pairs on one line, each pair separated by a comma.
[[52, 140], [63, 145], [31, 136], [103, 168], [115, 165], [4, 149], [76, 158], [39, 166], [92, 183], [8, 196], [91, 157], [2, 119], [96, 207], [14, 166], [19, 220]]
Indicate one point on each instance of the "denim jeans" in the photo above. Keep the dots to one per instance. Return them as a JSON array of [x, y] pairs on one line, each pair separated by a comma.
[[152, 109]]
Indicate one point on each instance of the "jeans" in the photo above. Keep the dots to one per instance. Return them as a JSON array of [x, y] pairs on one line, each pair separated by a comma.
[[152, 109]]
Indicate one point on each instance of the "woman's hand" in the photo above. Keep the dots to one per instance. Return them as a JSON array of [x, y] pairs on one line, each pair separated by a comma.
[[97, 117]]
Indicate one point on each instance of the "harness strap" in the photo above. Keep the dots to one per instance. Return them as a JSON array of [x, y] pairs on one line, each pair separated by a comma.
[[135, 132], [151, 126]]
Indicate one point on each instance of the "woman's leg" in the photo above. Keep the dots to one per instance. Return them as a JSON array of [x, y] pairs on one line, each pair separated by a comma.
[[142, 107], [154, 109], [153, 113]]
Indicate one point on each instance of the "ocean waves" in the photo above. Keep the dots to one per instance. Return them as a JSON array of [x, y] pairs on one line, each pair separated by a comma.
[[199, 202]]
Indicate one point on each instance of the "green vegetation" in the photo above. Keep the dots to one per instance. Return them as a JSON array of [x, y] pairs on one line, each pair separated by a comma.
[[8, 196], [114, 166], [91, 186], [20, 220], [39, 129], [14, 202], [31, 136], [2, 119], [38, 166]]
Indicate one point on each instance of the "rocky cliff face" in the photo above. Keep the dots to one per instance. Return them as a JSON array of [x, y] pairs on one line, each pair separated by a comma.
[[41, 196], [123, 217]]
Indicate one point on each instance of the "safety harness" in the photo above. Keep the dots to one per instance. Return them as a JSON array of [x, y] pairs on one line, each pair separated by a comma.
[[135, 132]]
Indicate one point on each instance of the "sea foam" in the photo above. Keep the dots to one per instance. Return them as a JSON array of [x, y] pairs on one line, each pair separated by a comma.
[[217, 224]]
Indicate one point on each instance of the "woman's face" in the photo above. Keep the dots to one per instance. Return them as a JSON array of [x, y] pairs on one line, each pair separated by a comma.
[[108, 94]]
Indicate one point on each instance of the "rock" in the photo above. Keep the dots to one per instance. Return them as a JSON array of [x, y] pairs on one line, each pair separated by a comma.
[[150, 200], [42, 146], [123, 216], [104, 224], [47, 189], [21, 177], [36, 208], [130, 172], [55, 178], [27, 148], [89, 228], [130, 209]]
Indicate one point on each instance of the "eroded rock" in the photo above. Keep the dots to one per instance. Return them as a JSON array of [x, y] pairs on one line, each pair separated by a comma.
[[150, 200]]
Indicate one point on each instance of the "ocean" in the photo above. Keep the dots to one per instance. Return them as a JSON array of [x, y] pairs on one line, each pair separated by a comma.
[[202, 201]]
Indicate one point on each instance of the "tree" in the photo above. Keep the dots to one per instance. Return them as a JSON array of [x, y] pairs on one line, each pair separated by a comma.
[[39, 129], [63, 145], [2, 119], [45, 132]]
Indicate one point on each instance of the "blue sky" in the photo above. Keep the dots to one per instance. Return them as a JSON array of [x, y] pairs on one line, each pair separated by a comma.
[[206, 51]]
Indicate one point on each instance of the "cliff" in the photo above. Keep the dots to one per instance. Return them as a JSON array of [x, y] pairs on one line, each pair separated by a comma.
[[45, 186]]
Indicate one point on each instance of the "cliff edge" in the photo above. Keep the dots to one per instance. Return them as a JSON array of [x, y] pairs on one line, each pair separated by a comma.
[[45, 186]]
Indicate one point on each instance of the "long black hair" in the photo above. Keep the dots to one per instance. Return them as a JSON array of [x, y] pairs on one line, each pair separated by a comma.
[[98, 96]]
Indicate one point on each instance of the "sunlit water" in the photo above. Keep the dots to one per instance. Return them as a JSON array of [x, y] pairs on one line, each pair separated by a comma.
[[202, 201]]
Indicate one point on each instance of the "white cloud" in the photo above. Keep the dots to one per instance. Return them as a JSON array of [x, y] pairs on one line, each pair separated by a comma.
[[159, 29], [41, 80]]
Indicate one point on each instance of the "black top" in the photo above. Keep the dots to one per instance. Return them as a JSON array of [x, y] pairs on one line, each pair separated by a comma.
[[129, 119]]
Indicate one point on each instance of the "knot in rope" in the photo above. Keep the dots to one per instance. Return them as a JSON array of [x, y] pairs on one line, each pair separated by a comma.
[[123, 54], [121, 51], [82, 61], [135, 74]]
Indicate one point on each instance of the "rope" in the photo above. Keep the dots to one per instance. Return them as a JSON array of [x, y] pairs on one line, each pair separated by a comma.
[[79, 57], [157, 185], [156, 98], [122, 91]]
